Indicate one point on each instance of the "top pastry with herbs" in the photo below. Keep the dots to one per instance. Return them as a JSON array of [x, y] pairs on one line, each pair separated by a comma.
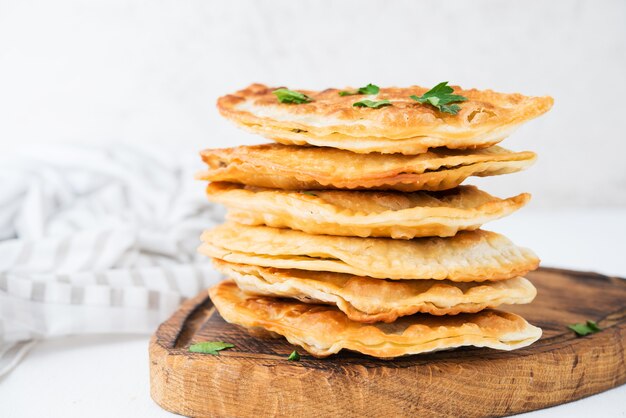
[[407, 120]]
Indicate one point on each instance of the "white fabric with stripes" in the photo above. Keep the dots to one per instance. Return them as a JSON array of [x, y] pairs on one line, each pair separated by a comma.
[[97, 240]]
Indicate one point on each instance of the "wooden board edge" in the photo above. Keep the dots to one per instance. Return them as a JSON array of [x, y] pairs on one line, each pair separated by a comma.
[[195, 385]]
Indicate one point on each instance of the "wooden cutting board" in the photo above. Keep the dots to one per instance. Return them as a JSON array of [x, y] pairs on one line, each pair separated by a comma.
[[254, 379]]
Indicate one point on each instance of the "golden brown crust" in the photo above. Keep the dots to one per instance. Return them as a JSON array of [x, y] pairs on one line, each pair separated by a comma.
[[406, 127], [324, 330], [368, 300], [468, 256], [364, 213], [301, 168]]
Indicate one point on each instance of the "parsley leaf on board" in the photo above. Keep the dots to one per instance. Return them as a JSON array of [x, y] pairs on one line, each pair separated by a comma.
[[372, 103], [440, 97], [585, 328], [369, 89], [290, 96], [294, 356], [210, 347]]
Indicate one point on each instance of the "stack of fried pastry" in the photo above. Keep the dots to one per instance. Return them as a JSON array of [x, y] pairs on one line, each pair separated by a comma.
[[352, 230]]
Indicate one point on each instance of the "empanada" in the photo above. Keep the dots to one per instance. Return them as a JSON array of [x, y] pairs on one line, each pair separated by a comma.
[[364, 213], [468, 256], [301, 168], [323, 330], [406, 127], [368, 300]]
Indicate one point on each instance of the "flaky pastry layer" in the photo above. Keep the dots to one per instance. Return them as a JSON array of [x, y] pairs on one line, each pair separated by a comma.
[[468, 256], [368, 300], [364, 213], [405, 127], [324, 330], [301, 168]]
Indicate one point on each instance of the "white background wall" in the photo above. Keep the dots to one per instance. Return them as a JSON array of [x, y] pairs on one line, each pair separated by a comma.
[[149, 71]]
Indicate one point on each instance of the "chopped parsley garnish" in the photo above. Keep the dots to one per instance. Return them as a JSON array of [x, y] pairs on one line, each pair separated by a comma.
[[210, 347], [372, 103], [292, 97], [294, 356], [369, 89], [441, 97], [585, 328]]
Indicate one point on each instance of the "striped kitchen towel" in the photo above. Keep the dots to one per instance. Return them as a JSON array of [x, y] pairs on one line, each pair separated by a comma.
[[97, 240]]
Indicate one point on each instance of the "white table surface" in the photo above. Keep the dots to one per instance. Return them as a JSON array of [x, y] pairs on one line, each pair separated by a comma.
[[107, 376]]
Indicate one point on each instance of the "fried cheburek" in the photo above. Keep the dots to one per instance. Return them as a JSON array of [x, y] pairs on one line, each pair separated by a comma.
[[368, 300], [364, 213], [468, 256], [323, 330], [407, 127], [306, 168]]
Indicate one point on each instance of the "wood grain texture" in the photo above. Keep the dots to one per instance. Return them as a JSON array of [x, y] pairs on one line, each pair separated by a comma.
[[255, 379]]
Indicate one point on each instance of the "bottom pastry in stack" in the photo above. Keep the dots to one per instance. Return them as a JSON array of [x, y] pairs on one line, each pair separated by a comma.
[[378, 296], [324, 330]]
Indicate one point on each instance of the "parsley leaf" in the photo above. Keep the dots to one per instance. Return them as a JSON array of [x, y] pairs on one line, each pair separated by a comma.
[[369, 89], [308, 193], [585, 328], [372, 103], [209, 347], [290, 96], [294, 356], [440, 97]]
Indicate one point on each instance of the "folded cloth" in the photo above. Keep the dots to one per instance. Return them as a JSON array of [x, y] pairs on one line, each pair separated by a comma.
[[97, 240]]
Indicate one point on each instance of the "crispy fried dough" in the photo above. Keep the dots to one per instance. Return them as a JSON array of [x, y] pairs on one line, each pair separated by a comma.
[[368, 300], [468, 256], [364, 213], [405, 127], [324, 330], [301, 168]]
